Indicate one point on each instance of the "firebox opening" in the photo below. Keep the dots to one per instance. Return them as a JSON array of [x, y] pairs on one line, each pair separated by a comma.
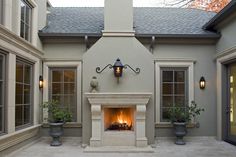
[[119, 119]]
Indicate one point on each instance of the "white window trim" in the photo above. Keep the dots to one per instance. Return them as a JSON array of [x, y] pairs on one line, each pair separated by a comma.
[[175, 64], [52, 64]]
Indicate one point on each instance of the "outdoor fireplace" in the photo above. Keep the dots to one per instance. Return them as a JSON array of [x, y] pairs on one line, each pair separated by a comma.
[[119, 119]]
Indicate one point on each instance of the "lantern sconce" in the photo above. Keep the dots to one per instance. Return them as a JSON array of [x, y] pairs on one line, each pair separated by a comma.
[[40, 82], [118, 68], [202, 83]]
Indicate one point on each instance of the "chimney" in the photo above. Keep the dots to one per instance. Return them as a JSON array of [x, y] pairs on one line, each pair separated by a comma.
[[118, 16]]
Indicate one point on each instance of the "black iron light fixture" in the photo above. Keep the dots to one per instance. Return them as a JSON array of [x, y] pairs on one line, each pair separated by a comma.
[[118, 68], [202, 83], [40, 82]]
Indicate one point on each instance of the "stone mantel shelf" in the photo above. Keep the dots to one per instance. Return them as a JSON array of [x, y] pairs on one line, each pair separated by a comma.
[[118, 98]]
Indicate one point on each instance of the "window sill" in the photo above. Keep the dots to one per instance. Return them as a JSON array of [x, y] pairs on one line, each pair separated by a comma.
[[169, 125], [67, 125]]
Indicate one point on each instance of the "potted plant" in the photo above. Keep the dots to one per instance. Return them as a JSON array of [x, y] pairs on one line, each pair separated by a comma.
[[57, 117], [180, 117]]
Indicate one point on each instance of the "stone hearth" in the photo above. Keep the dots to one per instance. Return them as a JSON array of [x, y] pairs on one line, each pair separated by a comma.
[[134, 137]]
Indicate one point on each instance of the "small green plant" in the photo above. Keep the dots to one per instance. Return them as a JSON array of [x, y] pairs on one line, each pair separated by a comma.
[[178, 114], [56, 113]]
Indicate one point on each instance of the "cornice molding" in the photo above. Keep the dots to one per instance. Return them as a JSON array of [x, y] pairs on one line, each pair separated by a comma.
[[20, 43]]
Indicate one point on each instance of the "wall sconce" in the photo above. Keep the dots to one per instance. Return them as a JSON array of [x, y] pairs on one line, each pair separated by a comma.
[[118, 68], [40, 82], [202, 83]]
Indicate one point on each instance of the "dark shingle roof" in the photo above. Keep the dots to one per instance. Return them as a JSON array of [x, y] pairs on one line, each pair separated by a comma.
[[147, 22]]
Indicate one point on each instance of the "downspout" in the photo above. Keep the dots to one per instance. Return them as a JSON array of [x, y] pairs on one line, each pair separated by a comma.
[[151, 48], [86, 42]]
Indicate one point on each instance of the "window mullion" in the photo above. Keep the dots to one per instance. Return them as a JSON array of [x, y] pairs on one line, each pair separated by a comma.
[[173, 89]]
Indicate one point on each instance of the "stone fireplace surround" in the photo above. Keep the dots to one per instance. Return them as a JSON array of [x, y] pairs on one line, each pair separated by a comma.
[[101, 138]]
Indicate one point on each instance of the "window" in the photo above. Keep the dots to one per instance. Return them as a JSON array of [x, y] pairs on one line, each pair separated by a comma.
[[174, 86], [2, 95], [62, 88], [25, 22], [173, 90], [23, 113], [1, 11]]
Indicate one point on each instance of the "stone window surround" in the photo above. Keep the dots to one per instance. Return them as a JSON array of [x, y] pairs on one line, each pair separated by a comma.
[[221, 59], [175, 63], [28, 63], [3, 80], [57, 64]]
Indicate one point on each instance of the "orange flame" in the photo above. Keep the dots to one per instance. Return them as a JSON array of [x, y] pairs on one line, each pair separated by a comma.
[[123, 118]]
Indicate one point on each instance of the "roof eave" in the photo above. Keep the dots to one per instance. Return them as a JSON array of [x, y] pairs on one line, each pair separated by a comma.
[[224, 13], [216, 35]]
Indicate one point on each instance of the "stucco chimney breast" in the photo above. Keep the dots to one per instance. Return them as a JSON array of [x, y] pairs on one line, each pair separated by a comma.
[[118, 16], [118, 41]]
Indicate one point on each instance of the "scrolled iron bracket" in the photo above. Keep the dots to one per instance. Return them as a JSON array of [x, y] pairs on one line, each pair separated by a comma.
[[98, 69], [136, 71]]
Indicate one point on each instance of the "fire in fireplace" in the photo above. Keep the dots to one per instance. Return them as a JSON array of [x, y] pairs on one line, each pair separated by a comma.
[[118, 119]]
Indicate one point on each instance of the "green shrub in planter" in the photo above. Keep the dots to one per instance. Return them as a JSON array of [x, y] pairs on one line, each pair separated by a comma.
[[57, 117]]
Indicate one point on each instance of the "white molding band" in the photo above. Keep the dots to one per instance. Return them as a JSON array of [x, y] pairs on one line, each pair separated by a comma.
[[78, 65], [225, 52], [169, 63], [17, 44], [118, 33]]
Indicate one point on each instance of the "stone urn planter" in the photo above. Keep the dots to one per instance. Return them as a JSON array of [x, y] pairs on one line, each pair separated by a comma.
[[180, 131], [56, 131], [57, 117], [180, 116]]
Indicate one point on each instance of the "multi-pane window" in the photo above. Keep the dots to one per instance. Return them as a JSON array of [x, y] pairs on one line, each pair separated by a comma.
[[2, 89], [63, 88], [25, 22], [173, 90], [23, 111]]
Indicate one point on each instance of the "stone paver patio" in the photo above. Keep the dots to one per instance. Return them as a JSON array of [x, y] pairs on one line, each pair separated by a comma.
[[195, 147]]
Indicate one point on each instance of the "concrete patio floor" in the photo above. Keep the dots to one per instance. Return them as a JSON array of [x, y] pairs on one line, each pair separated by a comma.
[[195, 147]]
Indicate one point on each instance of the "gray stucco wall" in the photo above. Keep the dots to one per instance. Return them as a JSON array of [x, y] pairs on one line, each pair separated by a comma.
[[101, 55], [204, 66], [228, 39], [131, 52], [65, 51]]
